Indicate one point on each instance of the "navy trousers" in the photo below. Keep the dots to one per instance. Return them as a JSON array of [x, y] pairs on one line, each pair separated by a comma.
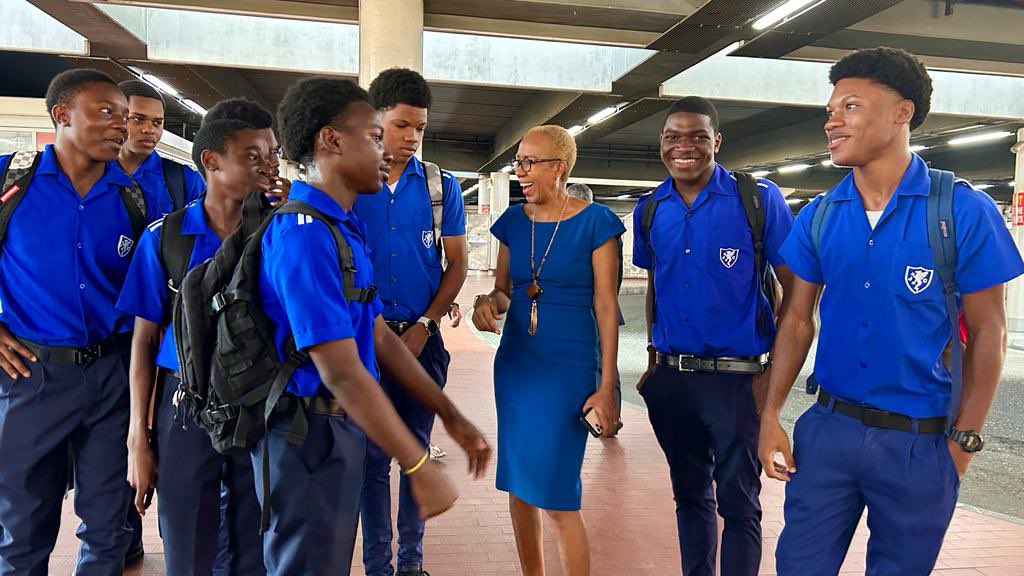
[[314, 495], [376, 506], [189, 504], [907, 482], [61, 405], [707, 425]]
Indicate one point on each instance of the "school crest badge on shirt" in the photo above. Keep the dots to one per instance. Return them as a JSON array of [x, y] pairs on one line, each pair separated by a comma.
[[918, 279], [124, 246], [728, 256], [428, 238]]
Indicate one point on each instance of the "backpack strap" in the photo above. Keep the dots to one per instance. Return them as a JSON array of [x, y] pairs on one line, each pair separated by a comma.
[[15, 182], [135, 203], [174, 179], [435, 189], [750, 196], [175, 249], [345, 258], [647, 217], [942, 238], [818, 220]]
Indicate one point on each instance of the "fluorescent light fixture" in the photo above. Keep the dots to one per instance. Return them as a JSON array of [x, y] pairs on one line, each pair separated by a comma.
[[760, 173], [161, 85], [783, 11], [602, 115], [794, 201], [194, 106], [918, 148], [827, 164], [976, 138], [506, 169], [576, 129], [622, 197], [793, 168], [982, 186]]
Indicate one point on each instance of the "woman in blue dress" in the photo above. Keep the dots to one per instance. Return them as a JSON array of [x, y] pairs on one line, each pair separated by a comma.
[[556, 278]]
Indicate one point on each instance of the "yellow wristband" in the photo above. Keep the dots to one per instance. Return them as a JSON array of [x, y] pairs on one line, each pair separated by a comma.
[[423, 460]]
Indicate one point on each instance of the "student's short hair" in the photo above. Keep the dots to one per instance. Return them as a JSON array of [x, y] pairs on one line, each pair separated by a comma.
[[695, 105], [399, 86], [892, 67], [562, 142], [240, 109], [581, 191], [308, 106], [66, 85], [141, 89], [215, 135]]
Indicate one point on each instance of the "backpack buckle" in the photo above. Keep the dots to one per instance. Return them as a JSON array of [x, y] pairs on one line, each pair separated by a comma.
[[218, 302]]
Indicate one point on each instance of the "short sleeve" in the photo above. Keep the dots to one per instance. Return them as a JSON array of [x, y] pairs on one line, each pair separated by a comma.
[[300, 268], [194, 184], [778, 221], [642, 255], [501, 225], [144, 293], [798, 249], [453, 222], [986, 254], [606, 226]]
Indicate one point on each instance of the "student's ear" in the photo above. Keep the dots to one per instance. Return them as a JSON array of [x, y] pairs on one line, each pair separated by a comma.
[[718, 141], [330, 140], [905, 111], [61, 115], [209, 159]]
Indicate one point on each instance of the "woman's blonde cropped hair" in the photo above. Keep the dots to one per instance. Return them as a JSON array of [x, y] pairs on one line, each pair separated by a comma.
[[563, 145]]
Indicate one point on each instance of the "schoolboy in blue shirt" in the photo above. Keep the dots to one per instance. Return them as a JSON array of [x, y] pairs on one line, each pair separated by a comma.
[[877, 437], [330, 127]]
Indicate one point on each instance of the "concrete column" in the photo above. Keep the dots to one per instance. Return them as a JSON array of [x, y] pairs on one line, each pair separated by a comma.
[[498, 191], [1015, 290], [390, 35]]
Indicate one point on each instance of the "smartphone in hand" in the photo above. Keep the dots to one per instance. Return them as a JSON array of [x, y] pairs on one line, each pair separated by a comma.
[[593, 425]]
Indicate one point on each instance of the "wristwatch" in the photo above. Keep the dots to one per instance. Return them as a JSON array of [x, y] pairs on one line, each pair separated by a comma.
[[969, 440], [429, 324]]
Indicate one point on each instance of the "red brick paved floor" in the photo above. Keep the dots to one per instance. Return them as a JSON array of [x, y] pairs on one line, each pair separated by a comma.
[[627, 503]]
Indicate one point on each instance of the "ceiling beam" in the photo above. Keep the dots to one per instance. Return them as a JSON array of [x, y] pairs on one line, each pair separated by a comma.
[[105, 35], [231, 84]]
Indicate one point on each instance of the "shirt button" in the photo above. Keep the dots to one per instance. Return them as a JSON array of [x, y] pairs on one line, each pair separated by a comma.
[[871, 242], [686, 285], [867, 284], [81, 286], [393, 228], [392, 200], [393, 254], [79, 245], [688, 215], [863, 364], [864, 324], [687, 251], [81, 207]]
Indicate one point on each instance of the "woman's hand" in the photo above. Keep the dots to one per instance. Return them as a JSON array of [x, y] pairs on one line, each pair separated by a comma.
[[604, 405], [485, 314]]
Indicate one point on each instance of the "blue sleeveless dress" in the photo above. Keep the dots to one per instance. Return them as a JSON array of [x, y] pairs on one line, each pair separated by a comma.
[[542, 381]]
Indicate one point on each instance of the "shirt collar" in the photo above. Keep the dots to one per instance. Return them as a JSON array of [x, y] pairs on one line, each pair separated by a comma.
[[195, 223], [915, 182], [152, 163], [721, 183], [318, 199], [112, 176]]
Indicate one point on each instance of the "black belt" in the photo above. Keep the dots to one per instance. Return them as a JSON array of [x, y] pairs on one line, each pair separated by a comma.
[[81, 355], [875, 418], [315, 404], [399, 327], [726, 364]]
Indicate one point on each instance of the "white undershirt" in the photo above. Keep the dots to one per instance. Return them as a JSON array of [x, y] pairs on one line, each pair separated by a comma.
[[873, 217]]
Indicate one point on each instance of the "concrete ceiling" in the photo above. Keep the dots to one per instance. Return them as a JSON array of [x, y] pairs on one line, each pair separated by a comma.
[[476, 128]]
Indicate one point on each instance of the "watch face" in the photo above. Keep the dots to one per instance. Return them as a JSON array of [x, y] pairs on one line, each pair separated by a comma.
[[973, 442]]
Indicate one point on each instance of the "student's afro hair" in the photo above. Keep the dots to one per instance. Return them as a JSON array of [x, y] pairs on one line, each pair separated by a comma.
[[308, 106], [892, 67], [696, 105], [399, 86], [141, 89], [240, 109], [66, 85], [215, 135]]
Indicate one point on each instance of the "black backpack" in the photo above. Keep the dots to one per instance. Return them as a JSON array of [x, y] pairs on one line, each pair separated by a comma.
[[174, 179], [751, 198], [231, 377], [17, 177]]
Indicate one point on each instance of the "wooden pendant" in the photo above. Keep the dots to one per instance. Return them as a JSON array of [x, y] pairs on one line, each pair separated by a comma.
[[533, 316], [534, 290]]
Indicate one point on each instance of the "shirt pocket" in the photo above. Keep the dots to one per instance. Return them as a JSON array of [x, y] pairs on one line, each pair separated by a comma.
[[730, 264], [919, 302]]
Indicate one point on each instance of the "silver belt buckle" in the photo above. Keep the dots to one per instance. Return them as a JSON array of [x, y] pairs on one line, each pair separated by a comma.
[[679, 363]]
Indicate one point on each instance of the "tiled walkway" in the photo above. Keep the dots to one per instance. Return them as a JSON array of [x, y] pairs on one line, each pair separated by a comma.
[[627, 503]]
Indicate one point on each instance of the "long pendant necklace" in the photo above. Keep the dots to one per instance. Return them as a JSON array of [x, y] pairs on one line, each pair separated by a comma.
[[534, 290]]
